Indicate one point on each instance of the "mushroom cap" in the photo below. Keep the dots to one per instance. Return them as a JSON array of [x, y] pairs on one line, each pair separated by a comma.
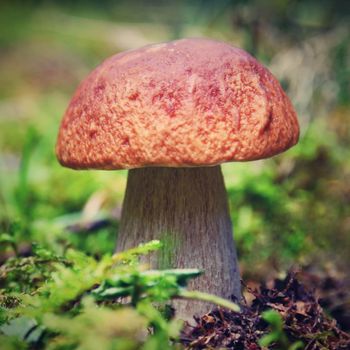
[[190, 102]]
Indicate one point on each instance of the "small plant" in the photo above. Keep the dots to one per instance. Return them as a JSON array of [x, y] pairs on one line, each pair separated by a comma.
[[277, 337], [74, 301]]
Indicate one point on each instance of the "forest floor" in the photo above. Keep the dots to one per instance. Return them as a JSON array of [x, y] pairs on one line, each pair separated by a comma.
[[287, 314]]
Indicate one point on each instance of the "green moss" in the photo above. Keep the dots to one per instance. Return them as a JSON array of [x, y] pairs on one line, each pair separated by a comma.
[[170, 245]]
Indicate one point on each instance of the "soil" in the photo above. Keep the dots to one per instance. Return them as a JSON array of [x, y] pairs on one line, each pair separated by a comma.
[[302, 310]]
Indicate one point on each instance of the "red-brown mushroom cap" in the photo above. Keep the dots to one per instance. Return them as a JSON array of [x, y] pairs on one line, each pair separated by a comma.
[[190, 102]]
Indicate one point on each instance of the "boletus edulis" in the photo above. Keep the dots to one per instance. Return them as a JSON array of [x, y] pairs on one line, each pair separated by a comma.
[[172, 113]]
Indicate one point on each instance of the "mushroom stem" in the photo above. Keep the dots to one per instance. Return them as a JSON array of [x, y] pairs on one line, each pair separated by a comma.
[[187, 209]]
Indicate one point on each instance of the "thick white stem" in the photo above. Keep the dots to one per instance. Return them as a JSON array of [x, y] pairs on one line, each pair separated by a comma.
[[185, 208]]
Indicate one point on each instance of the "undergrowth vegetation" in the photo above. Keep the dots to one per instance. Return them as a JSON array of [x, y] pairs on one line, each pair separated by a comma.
[[71, 301]]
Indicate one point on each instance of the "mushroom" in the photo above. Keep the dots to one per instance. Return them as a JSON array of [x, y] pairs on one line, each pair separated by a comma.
[[172, 113]]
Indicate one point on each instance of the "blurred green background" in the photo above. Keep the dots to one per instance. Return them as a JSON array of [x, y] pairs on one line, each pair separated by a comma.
[[291, 209]]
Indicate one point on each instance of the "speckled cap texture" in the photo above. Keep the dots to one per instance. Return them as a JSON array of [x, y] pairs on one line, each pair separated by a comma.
[[191, 102]]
